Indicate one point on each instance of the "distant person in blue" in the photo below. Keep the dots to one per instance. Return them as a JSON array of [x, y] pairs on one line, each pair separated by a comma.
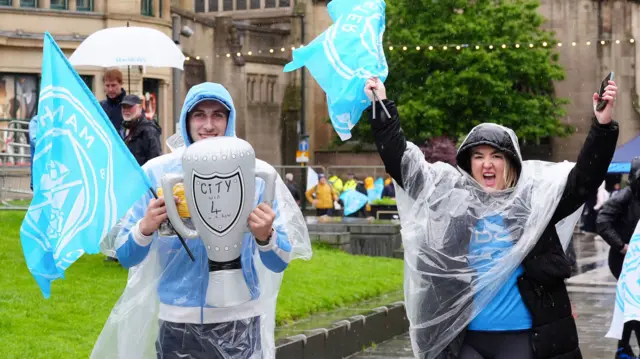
[[485, 265], [389, 191]]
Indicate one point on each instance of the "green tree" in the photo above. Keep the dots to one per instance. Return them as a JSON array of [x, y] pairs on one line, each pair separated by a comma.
[[447, 92]]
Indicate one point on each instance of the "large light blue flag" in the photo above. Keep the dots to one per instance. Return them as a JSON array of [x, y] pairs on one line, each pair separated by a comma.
[[353, 201], [85, 178], [343, 57]]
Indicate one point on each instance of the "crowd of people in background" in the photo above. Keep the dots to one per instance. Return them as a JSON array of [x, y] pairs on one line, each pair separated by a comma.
[[327, 196]]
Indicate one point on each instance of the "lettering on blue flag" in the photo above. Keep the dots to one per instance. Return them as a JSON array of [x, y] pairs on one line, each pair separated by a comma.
[[343, 57], [78, 168], [353, 201]]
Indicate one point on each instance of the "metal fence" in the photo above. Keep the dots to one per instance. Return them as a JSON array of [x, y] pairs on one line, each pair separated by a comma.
[[15, 166]]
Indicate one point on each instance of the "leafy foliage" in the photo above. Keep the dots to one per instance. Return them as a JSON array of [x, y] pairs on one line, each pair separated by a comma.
[[440, 149], [448, 92]]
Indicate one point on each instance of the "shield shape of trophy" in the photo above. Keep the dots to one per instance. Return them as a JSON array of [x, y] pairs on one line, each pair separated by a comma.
[[219, 176]]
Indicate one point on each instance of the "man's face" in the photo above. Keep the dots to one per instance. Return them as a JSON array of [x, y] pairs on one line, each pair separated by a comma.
[[130, 113], [208, 119], [113, 88]]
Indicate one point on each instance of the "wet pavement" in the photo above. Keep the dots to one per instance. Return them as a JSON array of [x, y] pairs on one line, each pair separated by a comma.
[[592, 291]]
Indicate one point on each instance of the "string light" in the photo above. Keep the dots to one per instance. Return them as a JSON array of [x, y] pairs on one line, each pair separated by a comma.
[[458, 47]]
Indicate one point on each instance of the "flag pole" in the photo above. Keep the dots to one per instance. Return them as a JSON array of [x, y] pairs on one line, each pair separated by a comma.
[[375, 96], [184, 244]]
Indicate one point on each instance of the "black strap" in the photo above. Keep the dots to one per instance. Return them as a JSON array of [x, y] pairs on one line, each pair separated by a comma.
[[216, 266]]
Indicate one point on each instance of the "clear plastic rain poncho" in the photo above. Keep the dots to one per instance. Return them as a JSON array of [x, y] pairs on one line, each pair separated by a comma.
[[245, 331], [461, 243]]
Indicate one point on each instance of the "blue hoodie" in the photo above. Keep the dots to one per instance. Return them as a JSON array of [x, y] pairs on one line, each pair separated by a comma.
[[183, 283]]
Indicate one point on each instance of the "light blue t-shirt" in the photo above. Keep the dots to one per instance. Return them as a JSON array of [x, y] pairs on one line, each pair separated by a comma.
[[507, 311]]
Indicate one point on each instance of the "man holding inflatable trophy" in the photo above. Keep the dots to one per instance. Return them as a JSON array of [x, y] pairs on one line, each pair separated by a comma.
[[240, 222]]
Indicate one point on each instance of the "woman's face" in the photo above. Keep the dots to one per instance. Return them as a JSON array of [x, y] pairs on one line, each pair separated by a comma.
[[487, 167]]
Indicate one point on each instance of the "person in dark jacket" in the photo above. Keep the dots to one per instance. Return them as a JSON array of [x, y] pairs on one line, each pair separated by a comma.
[[615, 224], [389, 191], [531, 315], [141, 135], [293, 187], [112, 80]]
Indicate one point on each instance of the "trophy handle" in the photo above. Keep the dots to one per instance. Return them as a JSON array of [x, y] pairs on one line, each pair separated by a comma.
[[168, 181], [269, 175]]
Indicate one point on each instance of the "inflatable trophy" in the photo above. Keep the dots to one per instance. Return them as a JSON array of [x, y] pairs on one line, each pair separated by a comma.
[[219, 184]]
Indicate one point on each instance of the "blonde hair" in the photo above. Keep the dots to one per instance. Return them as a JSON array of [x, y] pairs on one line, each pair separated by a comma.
[[510, 174]]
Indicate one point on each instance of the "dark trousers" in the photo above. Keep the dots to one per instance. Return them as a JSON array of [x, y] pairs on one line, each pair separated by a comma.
[[497, 345], [238, 340], [323, 211]]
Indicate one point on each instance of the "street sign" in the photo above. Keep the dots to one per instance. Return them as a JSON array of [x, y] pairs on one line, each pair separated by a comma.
[[303, 145], [302, 156]]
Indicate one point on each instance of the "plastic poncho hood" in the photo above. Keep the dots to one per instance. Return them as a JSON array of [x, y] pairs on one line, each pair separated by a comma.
[[162, 279], [462, 243]]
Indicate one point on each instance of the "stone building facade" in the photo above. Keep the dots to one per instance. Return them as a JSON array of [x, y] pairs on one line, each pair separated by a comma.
[[244, 45]]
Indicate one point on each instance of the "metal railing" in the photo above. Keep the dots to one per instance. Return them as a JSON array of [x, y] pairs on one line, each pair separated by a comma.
[[15, 169], [362, 171], [14, 143]]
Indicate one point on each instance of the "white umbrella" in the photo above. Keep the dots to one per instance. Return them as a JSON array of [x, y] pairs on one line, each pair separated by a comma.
[[128, 46]]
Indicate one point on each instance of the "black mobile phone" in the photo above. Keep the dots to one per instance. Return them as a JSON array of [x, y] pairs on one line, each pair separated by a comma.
[[603, 103]]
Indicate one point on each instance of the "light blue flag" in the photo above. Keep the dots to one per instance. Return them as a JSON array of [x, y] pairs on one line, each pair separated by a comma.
[[343, 57], [85, 178], [353, 201], [627, 306], [376, 192]]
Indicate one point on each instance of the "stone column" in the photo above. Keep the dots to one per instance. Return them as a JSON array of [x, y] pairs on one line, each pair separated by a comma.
[[72, 5]]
